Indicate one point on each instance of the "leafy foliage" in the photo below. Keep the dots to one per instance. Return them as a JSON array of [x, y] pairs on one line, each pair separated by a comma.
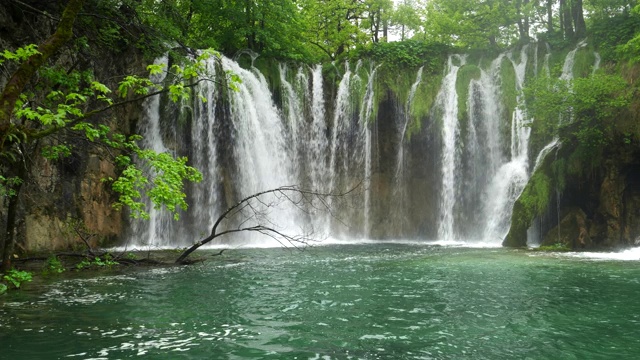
[[17, 277], [407, 54], [7, 185], [162, 176], [106, 261], [557, 247], [53, 265], [21, 54], [586, 114]]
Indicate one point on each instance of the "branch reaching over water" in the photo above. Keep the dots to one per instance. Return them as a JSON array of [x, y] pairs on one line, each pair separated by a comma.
[[301, 199]]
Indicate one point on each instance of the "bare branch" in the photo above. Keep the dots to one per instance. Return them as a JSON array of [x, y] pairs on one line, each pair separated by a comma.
[[265, 226]]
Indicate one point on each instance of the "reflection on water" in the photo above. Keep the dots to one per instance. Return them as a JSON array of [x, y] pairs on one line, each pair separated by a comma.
[[385, 301]]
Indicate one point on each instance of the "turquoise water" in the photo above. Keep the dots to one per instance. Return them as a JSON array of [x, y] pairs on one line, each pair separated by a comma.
[[384, 301]]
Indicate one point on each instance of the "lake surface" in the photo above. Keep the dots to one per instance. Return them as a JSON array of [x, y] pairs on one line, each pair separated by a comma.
[[385, 301]]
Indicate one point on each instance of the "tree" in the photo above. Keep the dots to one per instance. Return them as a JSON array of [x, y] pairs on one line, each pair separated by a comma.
[[251, 214], [333, 26], [11, 135], [406, 17], [377, 14], [471, 23], [62, 103], [584, 113]]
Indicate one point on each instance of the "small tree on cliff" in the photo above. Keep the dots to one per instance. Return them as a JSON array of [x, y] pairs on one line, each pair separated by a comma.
[[64, 107]]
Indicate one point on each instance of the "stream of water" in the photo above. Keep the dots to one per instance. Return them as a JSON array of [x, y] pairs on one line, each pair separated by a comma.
[[369, 301]]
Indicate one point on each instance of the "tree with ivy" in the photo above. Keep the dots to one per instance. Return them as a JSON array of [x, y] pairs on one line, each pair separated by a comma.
[[40, 104]]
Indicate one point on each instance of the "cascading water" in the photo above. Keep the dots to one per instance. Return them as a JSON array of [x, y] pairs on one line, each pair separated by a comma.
[[484, 146], [400, 191], [205, 204], [513, 175], [448, 101], [364, 122], [294, 112], [328, 139], [317, 138], [484, 168], [533, 233], [341, 116], [156, 231], [596, 64]]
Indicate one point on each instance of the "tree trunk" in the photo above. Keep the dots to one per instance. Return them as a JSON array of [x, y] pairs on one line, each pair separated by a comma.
[[522, 21], [251, 34], [578, 19], [567, 23], [21, 77], [526, 22], [10, 94], [385, 30], [12, 215], [550, 16]]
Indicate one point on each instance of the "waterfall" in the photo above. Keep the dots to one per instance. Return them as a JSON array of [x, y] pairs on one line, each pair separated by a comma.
[[158, 229], [464, 169], [447, 100], [407, 119], [545, 150], [596, 63], [567, 75], [480, 183], [342, 112], [533, 233], [513, 175], [484, 145], [205, 205], [569, 61], [547, 70], [365, 119], [294, 112], [400, 191], [262, 153], [318, 146]]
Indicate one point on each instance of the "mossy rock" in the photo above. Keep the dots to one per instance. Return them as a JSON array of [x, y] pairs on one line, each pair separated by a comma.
[[533, 202], [556, 247], [571, 233], [466, 74]]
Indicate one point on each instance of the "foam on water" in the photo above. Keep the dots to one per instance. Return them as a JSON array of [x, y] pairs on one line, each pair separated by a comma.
[[632, 254]]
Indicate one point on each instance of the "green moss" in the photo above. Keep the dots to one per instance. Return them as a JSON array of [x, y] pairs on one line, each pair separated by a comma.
[[531, 63], [481, 57], [270, 69], [465, 75], [584, 60], [536, 194], [331, 74], [556, 62], [399, 82], [509, 97], [557, 247], [423, 100], [532, 203], [509, 91]]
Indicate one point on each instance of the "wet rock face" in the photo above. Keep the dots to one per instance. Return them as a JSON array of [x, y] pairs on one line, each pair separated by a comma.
[[64, 197], [602, 211], [573, 231]]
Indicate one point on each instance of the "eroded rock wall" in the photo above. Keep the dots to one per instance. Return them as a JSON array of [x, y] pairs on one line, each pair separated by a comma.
[[65, 201]]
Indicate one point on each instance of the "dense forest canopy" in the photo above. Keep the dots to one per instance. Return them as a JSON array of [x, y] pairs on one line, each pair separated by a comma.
[[313, 30], [316, 30]]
